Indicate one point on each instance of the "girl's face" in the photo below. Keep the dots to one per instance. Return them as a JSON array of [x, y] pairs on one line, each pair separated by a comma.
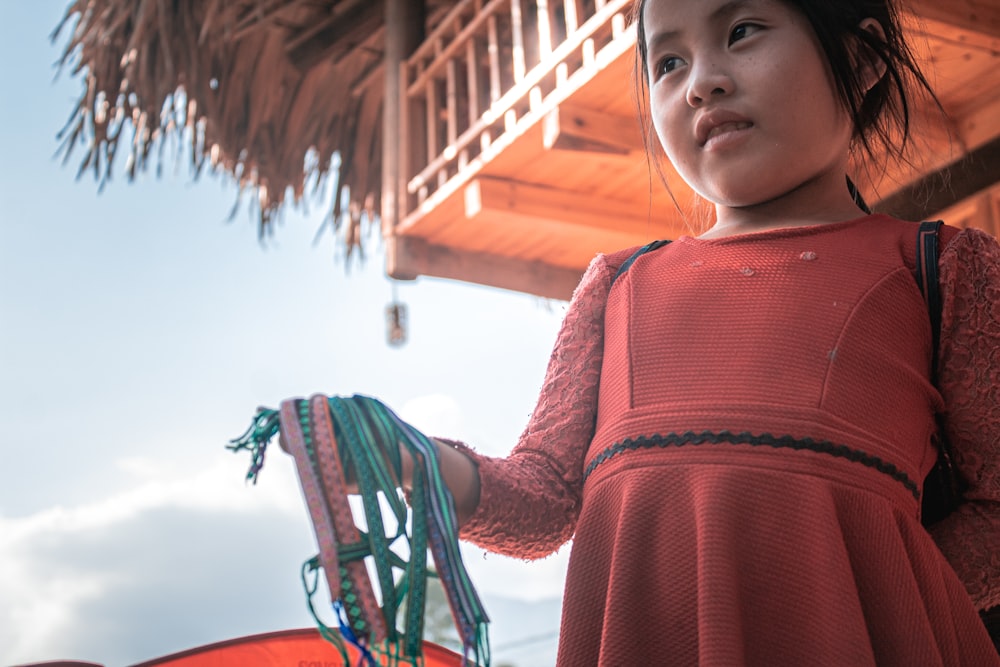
[[743, 102]]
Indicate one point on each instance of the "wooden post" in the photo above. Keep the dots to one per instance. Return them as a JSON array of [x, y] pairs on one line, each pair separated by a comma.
[[544, 29], [404, 30], [517, 40]]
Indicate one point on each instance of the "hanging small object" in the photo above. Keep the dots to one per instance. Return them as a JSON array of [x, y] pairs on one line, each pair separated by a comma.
[[395, 319]]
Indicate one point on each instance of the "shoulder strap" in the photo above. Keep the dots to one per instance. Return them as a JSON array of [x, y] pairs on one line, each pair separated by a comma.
[[927, 279], [631, 260], [944, 486]]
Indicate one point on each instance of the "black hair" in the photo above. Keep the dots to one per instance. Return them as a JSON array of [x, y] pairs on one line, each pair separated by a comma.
[[880, 115]]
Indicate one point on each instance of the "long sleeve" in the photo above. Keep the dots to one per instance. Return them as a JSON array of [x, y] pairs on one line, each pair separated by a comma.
[[969, 381], [529, 501]]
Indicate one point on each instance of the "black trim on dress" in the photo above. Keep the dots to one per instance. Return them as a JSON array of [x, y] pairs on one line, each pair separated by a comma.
[[763, 439]]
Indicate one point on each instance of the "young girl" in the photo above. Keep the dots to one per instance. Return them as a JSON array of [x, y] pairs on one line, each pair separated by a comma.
[[734, 430]]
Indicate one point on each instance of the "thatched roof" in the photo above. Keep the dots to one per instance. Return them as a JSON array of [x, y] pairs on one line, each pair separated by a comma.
[[264, 90]]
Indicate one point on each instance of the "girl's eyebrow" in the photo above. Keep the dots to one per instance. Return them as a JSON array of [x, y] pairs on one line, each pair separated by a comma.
[[720, 13]]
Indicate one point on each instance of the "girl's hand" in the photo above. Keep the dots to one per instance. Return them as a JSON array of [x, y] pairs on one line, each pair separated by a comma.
[[459, 472]]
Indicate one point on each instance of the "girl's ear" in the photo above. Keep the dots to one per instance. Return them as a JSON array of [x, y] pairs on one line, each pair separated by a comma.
[[871, 67]]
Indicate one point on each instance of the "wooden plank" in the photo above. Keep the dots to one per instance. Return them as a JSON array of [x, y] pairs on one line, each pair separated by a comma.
[[498, 200], [451, 97], [494, 57], [544, 28], [962, 75], [517, 40], [446, 28], [934, 30], [963, 178], [982, 16], [404, 20], [980, 211], [572, 128], [609, 54], [432, 120], [981, 123], [472, 79], [572, 11], [444, 50], [408, 257]]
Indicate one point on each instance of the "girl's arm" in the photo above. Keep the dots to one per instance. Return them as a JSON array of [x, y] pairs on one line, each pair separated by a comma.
[[969, 379], [458, 470], [526, 505]]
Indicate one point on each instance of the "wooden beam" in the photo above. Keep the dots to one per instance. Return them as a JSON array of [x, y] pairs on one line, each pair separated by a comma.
[[930, 195], [408, 257], [404, 30], [496, 200], [574, 128], [982, 16], [979, 125]]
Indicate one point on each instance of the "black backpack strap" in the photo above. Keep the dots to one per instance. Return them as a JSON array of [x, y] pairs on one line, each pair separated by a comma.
[[927, 280], [631, 260], [944, 486]]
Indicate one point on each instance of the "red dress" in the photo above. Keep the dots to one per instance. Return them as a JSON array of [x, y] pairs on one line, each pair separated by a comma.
[[735, 436]]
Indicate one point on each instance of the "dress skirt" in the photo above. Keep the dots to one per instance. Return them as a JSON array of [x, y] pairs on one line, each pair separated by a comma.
[[722, 555]]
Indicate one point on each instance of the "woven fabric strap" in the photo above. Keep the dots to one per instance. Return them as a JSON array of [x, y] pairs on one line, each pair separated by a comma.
[[333, 439]]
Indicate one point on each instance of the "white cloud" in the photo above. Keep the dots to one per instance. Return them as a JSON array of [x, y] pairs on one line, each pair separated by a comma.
[[434, 414], [217, 486], [514, 578], [60, 561], [184, 557]]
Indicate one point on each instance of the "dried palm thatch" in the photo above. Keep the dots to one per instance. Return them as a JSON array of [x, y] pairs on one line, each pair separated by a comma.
[[271, 92]]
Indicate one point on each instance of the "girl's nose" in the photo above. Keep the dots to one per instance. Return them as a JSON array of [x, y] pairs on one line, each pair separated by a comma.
[[707, 81]]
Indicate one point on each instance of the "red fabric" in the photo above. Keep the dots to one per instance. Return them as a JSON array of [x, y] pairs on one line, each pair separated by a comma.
[[744, 552], [295, 648]]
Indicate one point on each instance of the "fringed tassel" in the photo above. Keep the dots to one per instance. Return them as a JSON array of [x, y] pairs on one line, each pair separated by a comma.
[[312, 567], [265, 426]]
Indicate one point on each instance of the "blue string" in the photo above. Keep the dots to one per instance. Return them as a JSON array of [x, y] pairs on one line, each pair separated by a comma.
[[347, 633]]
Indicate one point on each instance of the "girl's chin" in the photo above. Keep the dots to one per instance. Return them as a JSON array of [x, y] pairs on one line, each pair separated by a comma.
[[736, 194], [731, 199], [735, 191]]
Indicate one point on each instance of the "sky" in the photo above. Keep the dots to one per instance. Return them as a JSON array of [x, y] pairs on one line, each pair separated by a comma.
[[140, 328]]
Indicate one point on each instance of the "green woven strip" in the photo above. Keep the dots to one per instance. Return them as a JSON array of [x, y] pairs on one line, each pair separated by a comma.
[[379, 429], [351, 434], [363, 616], [368, 438], [441, 524], [470, 617]]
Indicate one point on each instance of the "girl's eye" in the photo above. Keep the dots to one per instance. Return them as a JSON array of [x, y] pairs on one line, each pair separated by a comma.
[[666, 66], [742, 31]]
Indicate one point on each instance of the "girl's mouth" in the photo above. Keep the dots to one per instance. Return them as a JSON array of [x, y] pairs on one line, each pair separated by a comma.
[[727, 127], [719, 132]]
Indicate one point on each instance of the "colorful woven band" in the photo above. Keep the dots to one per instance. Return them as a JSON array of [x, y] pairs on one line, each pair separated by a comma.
[[358, 438]]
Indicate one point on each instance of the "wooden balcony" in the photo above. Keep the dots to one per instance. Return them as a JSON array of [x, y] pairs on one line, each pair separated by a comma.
[[527, 156]]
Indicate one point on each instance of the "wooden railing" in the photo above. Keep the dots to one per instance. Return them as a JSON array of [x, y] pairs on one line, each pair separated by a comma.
[[483, 73]]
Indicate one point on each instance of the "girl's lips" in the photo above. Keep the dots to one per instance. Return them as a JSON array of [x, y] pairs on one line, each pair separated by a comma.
[[721, 133], [717, 122], [727, 127]]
